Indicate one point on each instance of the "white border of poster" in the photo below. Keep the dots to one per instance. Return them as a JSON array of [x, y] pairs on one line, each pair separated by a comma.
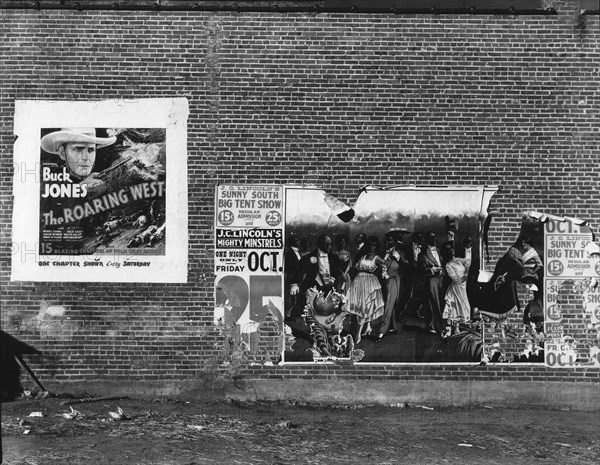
[[31, 117]]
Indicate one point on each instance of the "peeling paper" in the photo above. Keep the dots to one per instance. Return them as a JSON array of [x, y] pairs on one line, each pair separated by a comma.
[[571, 267], [544, 218], [50, 310]]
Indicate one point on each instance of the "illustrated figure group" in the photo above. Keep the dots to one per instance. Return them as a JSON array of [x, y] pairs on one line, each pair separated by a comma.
[[380, 282], [384, 284]]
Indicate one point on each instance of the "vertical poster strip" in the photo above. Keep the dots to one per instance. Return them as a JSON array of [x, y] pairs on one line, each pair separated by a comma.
[[573, 268], [249, 267], [590, 300]]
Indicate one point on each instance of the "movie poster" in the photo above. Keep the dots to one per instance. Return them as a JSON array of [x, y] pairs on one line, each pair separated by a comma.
[[100, 191], [249, 267]]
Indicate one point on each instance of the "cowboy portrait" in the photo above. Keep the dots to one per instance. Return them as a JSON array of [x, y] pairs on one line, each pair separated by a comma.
[[77, 148]]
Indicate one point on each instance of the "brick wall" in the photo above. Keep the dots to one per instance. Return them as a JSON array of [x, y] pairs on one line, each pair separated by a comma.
[[336, 100]]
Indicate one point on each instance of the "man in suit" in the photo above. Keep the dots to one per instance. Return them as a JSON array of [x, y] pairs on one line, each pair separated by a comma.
[[412, 250], [360, 241], [394, 263], [410, 300], [431, 269], [321, 268], [466, 251], [451, 235], [292, 276]]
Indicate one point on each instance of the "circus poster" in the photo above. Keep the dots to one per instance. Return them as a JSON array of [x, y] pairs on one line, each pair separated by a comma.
[[401, 275]]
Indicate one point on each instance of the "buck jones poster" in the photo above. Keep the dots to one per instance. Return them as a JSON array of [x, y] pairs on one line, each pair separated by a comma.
[[100, 191]]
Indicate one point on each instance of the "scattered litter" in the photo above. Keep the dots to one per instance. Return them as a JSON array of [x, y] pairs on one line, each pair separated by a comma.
[[36, 414], [563, 444], [196, 427], [27, 431], [23, 422], [91, 399], [72, 414], [424, 407], [481, 447], [287, 424], [26, 393], [118, 415], [487, 406], [42, 395], [464, 444], [400, 405]]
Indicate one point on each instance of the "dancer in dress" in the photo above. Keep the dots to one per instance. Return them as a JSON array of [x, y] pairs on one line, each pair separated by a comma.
[[532, 263], [457, 307], [365, 298]]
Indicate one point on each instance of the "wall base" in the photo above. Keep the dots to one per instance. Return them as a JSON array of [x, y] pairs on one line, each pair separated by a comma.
[[573, 395]]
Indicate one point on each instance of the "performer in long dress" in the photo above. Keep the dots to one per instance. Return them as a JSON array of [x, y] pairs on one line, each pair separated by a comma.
[[457, 307], [365, 298]]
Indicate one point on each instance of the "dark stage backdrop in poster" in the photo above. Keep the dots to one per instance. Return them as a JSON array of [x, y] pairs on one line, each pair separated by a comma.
[[100, 191], [398, 300]]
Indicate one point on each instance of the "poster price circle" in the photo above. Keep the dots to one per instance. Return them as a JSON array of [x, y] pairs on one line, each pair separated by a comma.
[[226, 217], [554, 313], [555, 268], [273, 218]]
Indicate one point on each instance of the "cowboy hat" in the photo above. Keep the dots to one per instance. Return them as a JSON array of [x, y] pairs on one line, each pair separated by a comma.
[[51, 142]]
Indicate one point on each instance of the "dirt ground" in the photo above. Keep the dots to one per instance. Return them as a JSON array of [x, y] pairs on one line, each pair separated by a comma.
[[165, 431]]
